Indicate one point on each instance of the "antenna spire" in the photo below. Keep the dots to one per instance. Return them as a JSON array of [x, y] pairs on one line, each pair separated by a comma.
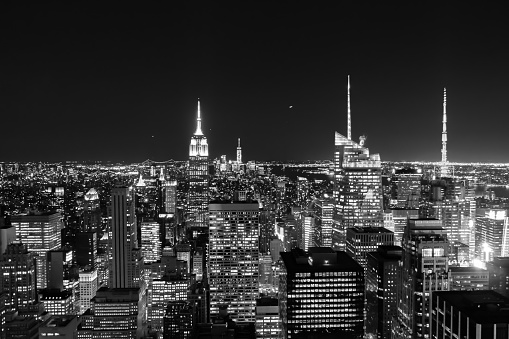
[[444, 168], [349, 134], [198, 121]]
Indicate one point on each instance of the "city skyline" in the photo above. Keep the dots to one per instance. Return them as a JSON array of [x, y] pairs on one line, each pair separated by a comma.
[[121, 84]]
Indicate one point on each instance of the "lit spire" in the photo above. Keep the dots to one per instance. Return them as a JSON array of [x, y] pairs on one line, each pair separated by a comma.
[[198, 121], [444, 169], [349, 134], [238, 143]]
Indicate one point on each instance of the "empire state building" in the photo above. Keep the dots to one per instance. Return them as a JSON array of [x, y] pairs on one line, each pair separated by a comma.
[[198, 176]]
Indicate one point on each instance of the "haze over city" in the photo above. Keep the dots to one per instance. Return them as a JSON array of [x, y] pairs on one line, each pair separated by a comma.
[[121, 83]]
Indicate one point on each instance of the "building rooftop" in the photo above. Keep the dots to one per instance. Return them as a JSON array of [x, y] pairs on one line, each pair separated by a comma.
[[358, 229], [319, 259], [483, 307]]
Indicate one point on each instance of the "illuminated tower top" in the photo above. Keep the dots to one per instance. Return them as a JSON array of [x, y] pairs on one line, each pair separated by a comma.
[[239, 153], [349, 135], [198, 121], [444, 170], [198, 146]]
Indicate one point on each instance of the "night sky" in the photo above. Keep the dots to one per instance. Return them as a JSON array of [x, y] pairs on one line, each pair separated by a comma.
[[89, 82]]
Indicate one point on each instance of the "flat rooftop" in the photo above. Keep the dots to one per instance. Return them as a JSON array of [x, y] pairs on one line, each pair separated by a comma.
[[319, 259], [483, 307]]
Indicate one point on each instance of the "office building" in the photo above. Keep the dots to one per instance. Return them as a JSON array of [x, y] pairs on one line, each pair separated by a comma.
[[469, 315], [91, 212], [86, 249], [125, 256], [40, 232], [322, 211], [18, 277], [233, 258], [362, 240], [499, 275], [400, 217], [7, 236], [88, 288], [21, 327], [358, 184], [163, 291], [198, 176], [424, 271], [383, 274], [178, 320], [491, 234], [468, 279], [59, 327], [268, 323], [150, 241], [115, 313], [321, 292], [405, 188]]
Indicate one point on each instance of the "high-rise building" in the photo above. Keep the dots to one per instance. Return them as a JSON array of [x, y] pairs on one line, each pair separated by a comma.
[[406, 188], [323, 211], [239, 153], [469, 314], [492, 234], [163, 291], [86, 249], [178, 320], [18, 276], [468, 278], [125, 256], [198, 176], [150, 241], [382, 278], [88, 288], [499, 275], [358, 184], [59, 327], [7, 236], [424, 271], [92, 212], [40, 232], [115, 313], [314, 286], [233, 258], [170, 197], [268, 323], [362, 240], [400, 217]]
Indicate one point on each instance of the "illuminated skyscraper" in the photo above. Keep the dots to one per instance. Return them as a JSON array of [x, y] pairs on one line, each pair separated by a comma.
[[323, 211], [40, 232], [125, 258], [424, 271], [92, 212], [233, 258], [362, 240], [357, 188], [198, 175], [321, 292], [492, 234], [18, 276], [444, 166], [150, 241], [357, 184], [383, 275], [239, 153]]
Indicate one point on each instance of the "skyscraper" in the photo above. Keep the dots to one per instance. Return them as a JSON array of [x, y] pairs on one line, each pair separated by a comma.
[[233, 258], [198, 176], [40, 232], [357, 184], [125, 255], [321, 292], [357, 188], [18, 277], [424, 271]]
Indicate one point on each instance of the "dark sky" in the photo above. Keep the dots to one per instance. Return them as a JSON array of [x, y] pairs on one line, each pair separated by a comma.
[[88, 82]]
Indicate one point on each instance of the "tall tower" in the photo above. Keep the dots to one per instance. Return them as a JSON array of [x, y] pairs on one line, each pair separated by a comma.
[[198, 175], [125, 258], [349, 135], [233, 258], [239, 153], [444, 168]]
